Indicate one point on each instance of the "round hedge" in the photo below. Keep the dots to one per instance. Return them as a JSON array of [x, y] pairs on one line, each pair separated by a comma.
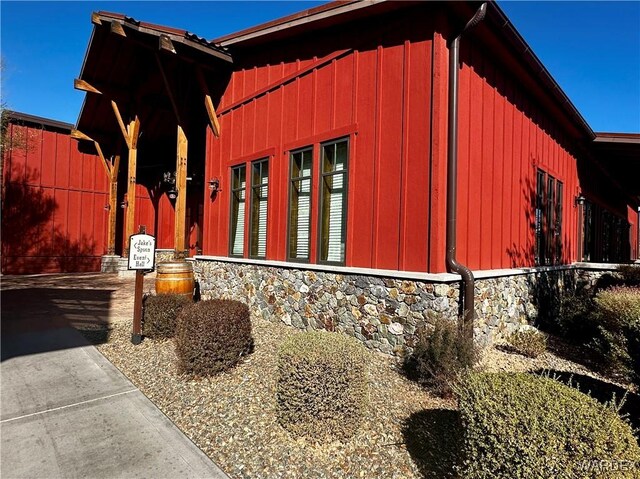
[[517, 425], [212, 335], [159, 314], [322, 385]]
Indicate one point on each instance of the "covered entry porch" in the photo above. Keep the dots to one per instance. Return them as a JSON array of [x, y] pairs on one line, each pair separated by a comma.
[[151, 93]]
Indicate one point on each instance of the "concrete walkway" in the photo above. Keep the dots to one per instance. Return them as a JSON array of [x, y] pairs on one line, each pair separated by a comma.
[[67, 412]]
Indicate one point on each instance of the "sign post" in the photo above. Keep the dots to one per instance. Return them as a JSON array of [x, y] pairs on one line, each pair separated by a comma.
[[142, 254]]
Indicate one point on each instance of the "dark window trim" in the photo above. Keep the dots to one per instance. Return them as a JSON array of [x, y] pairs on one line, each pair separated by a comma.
[[345, 200], [251, 187], [231, 199], [291, 180]]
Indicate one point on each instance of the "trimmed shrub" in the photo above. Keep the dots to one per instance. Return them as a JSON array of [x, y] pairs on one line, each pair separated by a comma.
[[528, 342], [322, 385], [439, 356], [212, 335], [159, 313], [630, 274], [574, 322], [517, 425], [618, 342]]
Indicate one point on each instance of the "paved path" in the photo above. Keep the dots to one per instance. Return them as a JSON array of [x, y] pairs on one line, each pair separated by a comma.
[[67, 412]]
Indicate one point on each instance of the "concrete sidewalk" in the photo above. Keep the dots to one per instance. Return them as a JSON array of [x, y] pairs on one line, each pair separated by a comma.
[[65, 410]]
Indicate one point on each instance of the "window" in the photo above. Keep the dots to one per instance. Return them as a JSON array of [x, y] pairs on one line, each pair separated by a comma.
[[548, 219], [539, 230], [236, 229], [300, 204], [258, 215], [333, 201], [558, 223]]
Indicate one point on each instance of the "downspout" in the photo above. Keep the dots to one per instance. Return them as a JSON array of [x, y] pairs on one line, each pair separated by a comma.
[[468, 281]]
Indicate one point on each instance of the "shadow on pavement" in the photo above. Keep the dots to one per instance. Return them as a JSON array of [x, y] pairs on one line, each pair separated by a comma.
[[36, 320]]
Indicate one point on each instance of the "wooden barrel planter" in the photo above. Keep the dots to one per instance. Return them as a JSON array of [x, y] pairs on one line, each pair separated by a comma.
[[175, 277]]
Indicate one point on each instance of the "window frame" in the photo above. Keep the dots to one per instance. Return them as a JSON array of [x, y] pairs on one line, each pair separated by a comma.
[[231, 200], [252, 187], [309, 148], [345, 199]]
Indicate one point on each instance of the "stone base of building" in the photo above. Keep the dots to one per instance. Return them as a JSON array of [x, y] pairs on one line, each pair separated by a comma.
[[387, 313]]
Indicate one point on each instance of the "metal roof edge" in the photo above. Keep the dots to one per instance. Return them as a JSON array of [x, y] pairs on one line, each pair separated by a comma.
[[16, 116]]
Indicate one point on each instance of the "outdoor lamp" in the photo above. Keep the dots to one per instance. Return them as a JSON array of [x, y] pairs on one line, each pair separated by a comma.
[[580, 200], [214, 185]]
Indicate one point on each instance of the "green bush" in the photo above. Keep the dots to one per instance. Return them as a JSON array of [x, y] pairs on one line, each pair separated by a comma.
[[159, 313], [618, 315], [630, 274], [212, 335], [574, 322], [518, 425], [528, 342], [322, 385], [439, 356]]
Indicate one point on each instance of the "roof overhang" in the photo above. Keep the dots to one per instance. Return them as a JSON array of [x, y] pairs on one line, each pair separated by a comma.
[[133, 64]]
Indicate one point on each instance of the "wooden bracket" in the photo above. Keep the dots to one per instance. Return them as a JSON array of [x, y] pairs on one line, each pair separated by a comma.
[[167, 87], [84, 85], [125, 132], [208, 104], [95, 19], [165, 43], [117, 28], [78, 135]]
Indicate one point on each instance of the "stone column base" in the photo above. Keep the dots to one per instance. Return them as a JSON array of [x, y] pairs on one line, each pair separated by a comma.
[[110, 263]]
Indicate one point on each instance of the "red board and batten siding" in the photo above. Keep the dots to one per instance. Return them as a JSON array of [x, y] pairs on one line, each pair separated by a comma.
[[504, 138], [390, 97], [379, 96], [53, 217]]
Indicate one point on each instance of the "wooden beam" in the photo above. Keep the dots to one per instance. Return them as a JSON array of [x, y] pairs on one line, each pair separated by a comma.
[[134, 127], [102, 159], [95, 19], [213, 118], [165, 43], [117, 28], [134, 130], [84, 85], [168, 89], [113, 206], [124, 131], [78, 135], [180, 218], [208, 103]]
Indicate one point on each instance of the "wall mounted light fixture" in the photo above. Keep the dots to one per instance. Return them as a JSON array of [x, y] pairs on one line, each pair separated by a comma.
[[214, 185], [580, 200]]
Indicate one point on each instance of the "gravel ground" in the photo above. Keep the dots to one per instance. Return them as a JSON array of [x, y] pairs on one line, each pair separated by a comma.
[[231, 417], [407, 433]]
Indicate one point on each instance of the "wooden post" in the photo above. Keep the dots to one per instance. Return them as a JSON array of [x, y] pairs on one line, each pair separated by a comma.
[[136, 334], [133, 128], [113, 206], [180, 243]]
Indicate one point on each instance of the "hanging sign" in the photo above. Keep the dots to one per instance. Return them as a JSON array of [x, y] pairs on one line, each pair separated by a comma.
[[142, 252]]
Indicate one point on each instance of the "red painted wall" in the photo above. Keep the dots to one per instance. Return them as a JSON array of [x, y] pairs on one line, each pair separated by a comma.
[[53, 215], [159, 221], [389, 94], [379, 94], [504, 138]]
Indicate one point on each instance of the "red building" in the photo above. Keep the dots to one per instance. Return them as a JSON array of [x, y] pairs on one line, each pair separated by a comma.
[[320, 146]]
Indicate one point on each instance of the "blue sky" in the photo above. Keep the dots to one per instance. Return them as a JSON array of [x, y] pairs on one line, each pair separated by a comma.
[[592, 49]]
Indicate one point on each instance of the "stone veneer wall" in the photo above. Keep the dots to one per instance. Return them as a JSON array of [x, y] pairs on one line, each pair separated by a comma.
[[385, 313]]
